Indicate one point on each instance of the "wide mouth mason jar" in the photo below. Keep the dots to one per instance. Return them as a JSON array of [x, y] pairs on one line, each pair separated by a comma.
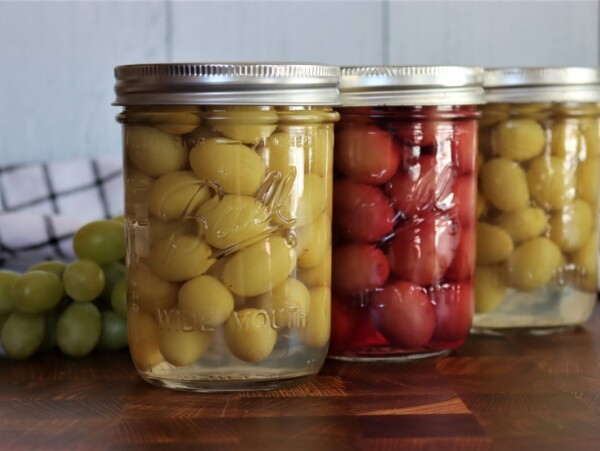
[[537, 208], [228, 171], [404, 211]]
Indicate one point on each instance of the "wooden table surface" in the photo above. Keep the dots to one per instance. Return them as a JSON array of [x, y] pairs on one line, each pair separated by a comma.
[[513, 393]]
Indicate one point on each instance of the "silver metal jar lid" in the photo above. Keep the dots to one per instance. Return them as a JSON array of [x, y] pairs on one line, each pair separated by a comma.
[[411, 85], [227, 84], [542, 84]]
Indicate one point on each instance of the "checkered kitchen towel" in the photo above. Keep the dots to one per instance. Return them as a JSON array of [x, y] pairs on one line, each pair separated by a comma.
[[42, 205]]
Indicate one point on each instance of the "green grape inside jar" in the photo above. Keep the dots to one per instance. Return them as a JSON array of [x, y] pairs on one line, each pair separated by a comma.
[[228, 172], [537, 207]]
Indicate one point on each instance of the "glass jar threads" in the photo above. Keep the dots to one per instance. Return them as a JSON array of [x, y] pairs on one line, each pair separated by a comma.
[[537, 230], [228, 173], [404, 211]]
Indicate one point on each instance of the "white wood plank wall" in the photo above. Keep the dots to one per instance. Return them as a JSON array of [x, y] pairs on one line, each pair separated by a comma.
[[56, 58]]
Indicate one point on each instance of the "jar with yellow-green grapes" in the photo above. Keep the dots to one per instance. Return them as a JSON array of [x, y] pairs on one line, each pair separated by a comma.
[[228, 201], [537, 207]]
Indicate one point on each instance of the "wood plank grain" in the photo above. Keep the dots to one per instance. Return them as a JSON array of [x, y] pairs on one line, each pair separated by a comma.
[[512, 393], [435, 425], [428, 444], [323, 386], [422, 407], [57, 434]]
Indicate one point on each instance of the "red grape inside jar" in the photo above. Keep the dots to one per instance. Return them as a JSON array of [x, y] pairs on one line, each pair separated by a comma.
[[404, 211]]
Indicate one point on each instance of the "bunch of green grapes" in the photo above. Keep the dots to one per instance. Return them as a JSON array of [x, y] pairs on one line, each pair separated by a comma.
[[78, 307]]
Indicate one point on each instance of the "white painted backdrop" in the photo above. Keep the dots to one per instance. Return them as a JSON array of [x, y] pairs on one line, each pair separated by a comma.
[[56, 58]]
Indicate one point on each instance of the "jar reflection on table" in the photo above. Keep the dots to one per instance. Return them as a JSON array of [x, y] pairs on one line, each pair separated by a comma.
[[537, 231], [404, 220], [228, 212]]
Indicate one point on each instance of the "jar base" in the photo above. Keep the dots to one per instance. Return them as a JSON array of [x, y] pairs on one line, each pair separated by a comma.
[[374, 356], [549, 310], [531, 331], [223, 386]]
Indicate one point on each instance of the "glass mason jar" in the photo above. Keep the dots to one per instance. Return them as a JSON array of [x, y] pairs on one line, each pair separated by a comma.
[[537, 208], [404, 211], [228, 206]]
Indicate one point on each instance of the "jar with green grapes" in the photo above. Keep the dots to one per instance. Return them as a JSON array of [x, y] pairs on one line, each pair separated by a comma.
[[537, 207], [228, 173]]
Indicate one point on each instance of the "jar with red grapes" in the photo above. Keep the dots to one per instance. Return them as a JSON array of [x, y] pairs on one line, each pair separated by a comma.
[[404, 211]]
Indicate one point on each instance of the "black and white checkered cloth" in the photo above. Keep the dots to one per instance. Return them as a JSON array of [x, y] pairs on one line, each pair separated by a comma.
[[42, 205]]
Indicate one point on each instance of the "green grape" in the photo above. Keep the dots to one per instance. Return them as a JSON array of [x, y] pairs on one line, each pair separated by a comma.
[[100, 241], [22, 334], [551, 181], [153, 151], [78, 329], [176, 194], [519, 139], [249, 335], [118, 299], [220, 160], [259, 268], [307, 200], [320, 275], [7, 280], [120, 219], [183, 347], [281, 151], [287, 303], [83, 280], [113, 273], [208, 299], [318, 321], [490, 289], [143, 340], [588, 180], [50, 321], [114, 332], [233, 219], [524, 224], [150, 292], [180, 258], [504, 184], [586, 260], [571, 226], [313, 241], [52, 266], [173, 119], [249, 124], [532, 264], [494, 244], [37, 292], [318, 155], [3, 318]]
